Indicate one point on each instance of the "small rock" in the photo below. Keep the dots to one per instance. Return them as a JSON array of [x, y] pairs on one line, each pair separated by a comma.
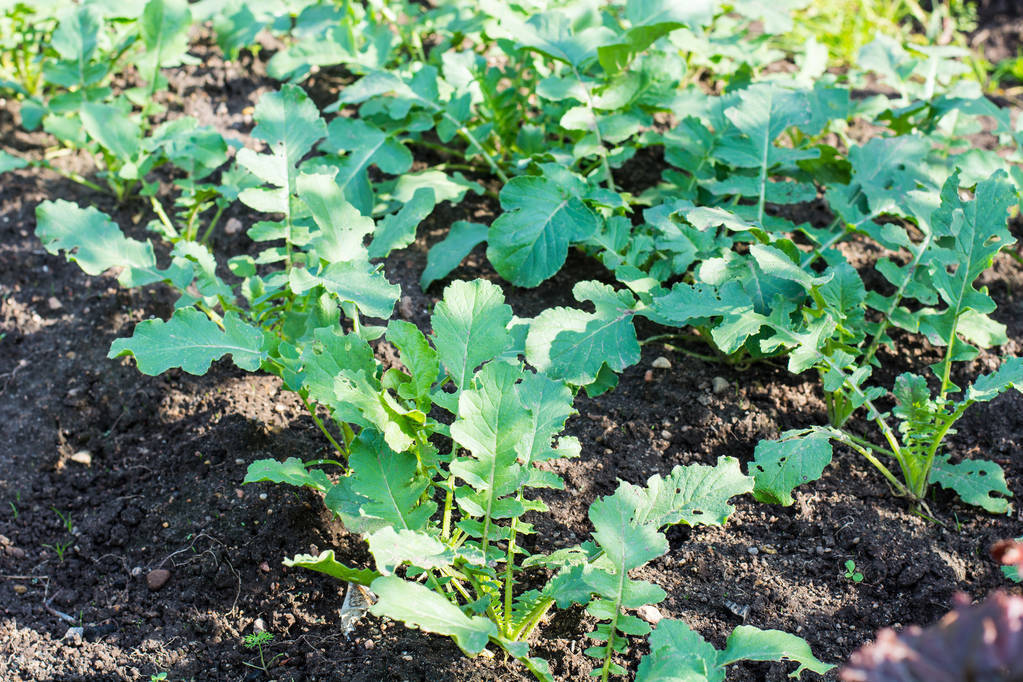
[[74, 635], [4, 541], [720, 384], [369, 644], [265, 567], [14, 552], [406, 658], [20, 589], [753, 550], [239, 460], [649, 613], [83, 457], [262, 496], [648, 376], [136, 572], [258, 625], [157, 578], [53, 304], [661, 362], [239, 492], [233, 226], [666, 434]]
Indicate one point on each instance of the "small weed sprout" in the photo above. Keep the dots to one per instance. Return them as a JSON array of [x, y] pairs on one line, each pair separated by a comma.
[[851, 573], [257, 640], [60, 548]]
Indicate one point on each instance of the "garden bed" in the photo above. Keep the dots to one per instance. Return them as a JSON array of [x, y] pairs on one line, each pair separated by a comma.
[[137, 473]]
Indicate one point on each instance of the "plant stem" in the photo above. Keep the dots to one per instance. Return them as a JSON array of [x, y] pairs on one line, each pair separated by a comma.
[[213, 223], [609, 178], [162, 215], [533, 619], [899, 487], [509, 578], [316, 420]]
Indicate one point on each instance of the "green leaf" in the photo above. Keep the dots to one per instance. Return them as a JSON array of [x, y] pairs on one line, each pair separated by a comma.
[[91, 239], [552, 34], [398, 230], [342, 228], [292, 471], [445, 255], [9, 162], [418, 606], [747, 643], [977, 482], [365, 145], [356, 281], [627, 541], [417, 355], [289, 122], [776, 263], [470, 327], [529, 242], [391, 549], [384, 488], [327, 564], [988, 386], [678, 654], [549, 403], [491, 422], [686, 302], [191, 341], [163, 27], [778, 466], [573, 345], [693, 494], [113, 129]]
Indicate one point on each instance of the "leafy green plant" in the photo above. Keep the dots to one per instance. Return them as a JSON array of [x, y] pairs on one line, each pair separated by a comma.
[[851, 573], [59, 548], [259, 640]]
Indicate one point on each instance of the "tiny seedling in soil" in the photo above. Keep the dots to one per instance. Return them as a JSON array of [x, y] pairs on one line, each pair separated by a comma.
[[59, 548], [851, 573], [257, 640]]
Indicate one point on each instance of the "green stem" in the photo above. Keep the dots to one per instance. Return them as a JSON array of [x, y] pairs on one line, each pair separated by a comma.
[[319, 424], [899, 487], [71, 175], [449, 499], [609, 178], [213, 223], [162, 215], [509, 577], [920, 487], [533, 619]]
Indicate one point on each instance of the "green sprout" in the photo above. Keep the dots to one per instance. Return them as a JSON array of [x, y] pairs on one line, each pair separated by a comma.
[[851, 573]]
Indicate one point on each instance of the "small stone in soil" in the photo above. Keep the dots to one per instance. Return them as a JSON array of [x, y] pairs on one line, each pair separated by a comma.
[[369, 644], [53, 303], [661, 362], [720, 384], [265, 567], [753, 550], [157, 578], [14, 552], [649, 613], [648, 376], [20, 589], [83, 457]]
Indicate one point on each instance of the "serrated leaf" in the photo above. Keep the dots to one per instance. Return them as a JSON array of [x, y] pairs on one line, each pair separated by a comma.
[[342, 228], [573, 345], [94, 241], [384, 487], [549, 403], [552, 34], [326, 563], [778, 466], [529, 242], [693, 494], [627, 541], [747, 643], [445, 255], [292, 471], [289, 122], [470, 327], [987, 386], [392, 548], [191, 341], [417, 355], [9, 162], [163, 28], [112, 128], [976, 482], [356, 281], [679, 654], [418, 606], [686, 302], [365, 145], [491, 422]]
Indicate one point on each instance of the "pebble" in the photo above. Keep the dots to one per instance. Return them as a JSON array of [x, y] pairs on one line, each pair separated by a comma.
[[83, 457], [753, 550], [239, 460], [233, 226], [720, 384], [14, 552], [265, 567], [53, 304], [661, 362], [666, 434], [406, 658], [648, 376], [649, 613], [20, 589], [4, 541], [369, 644], [136, 572], [262, 496], [157, 578], [258, 625]]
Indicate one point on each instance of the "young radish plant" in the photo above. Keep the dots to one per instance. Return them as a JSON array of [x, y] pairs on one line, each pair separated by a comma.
[[443, 507]]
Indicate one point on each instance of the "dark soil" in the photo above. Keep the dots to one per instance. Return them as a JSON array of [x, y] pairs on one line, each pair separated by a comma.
[[134, 473]]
